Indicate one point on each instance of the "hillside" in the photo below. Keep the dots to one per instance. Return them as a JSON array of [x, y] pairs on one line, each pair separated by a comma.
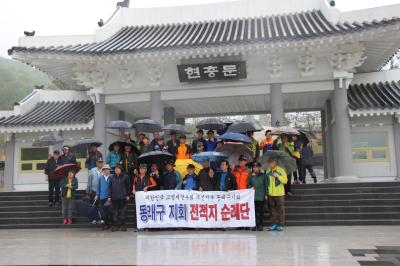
[[17, 80]]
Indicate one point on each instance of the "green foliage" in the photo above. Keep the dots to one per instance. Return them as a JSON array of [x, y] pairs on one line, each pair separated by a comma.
[[17, 80]]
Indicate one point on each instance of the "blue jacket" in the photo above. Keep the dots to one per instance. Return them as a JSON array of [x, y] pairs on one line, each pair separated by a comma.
[[93, 179], [171, 180], [190, 182], [211, 145], [102, 187], [113, 158]]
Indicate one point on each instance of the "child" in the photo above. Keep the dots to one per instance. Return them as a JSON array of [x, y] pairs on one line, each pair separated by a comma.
[[190, 181], [276, 179], [68, 185], [257, 181]]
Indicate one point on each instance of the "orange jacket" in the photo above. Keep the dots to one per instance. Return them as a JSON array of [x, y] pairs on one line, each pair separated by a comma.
[[242, 176], [183, 152]]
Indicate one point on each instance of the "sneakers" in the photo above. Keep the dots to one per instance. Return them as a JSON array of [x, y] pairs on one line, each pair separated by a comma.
[[65, 221], [280, 228], [272, 227], [70, 221], [315, 180]]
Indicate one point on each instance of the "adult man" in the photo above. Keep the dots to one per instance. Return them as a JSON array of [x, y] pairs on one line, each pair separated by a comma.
[[114, 156], [200, 139], [307, 155], [93, 178], [254, 145], [118, 194], [154, 140], [183, 151], [173, 143], [94, 156], [102, 196], [283, 143], [140, 140], [128, 138], [207, 182], [171, 179], [129, 161], [241, 173], [54, 185], [266, 144], [211, 143], [67, 157], [160, 146]]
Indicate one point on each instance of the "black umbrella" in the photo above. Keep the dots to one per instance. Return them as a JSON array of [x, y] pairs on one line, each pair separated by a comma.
[[147, 125], [234, 150], [157, 157], [283, 159], [176, 128], [86, 143], [243, 126], [305, 137], [47, 140], [122, 145], [120, 124], [211, 124]]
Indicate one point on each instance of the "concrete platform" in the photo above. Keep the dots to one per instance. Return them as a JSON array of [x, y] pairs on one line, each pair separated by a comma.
[[297, 246]]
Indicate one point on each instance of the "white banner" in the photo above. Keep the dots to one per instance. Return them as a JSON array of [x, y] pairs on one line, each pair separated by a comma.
[[195, 209]]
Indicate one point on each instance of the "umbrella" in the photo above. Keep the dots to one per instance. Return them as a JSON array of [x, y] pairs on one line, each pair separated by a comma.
[[234, 150], [87, 143], [233, 136], [62, 170], [284, 130], [181, 166], [176, 128], [305, 137], [157, 157], [211, 156], [47, 140], [211, 124], [122, 145], [284, 160], [243, 126], [119, 124], [147, 125]]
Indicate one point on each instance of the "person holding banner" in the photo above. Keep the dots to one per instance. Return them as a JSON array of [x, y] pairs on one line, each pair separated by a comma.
[[225, 179], [241, 173], [142, 181], [171, 179], [190, 181], [276, 179], [258, 182], [119, 195]]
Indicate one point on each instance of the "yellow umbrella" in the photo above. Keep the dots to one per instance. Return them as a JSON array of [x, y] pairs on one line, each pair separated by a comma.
[[181, 165]]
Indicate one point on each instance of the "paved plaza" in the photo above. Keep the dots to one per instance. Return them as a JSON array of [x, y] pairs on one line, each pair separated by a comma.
[[355, 245]]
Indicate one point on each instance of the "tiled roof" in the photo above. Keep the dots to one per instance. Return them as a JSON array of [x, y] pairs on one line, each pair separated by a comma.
[[53, 113], [374, 96], [290, 27]]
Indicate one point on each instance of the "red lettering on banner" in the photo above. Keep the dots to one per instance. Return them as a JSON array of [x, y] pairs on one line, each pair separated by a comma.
[[194, 212], [204, 211], [235, 211], [244, 211], [213, 212], [225, 213]]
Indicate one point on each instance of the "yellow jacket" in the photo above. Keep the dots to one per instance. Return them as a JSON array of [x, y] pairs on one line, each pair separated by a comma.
[[276, 184]]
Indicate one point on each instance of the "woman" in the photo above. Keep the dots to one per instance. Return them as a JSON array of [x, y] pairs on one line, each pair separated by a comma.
[[69, 185]]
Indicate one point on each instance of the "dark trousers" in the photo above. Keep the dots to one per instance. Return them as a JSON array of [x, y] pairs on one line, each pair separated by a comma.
[[54, 191], [310, 170], [106, 212], [277, 209], [259, 210], [119, 212], [288, 186], [298, 175]]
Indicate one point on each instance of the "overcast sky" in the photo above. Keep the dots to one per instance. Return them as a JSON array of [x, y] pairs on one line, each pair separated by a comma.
[[63, 17]]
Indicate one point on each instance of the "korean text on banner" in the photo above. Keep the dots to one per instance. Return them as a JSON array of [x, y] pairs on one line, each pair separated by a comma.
[[194, 209]]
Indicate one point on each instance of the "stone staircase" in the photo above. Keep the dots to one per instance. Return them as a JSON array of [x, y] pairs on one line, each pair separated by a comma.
[[312, 205]]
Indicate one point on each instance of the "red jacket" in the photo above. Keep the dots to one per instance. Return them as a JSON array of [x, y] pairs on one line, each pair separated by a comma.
[[241, 175]]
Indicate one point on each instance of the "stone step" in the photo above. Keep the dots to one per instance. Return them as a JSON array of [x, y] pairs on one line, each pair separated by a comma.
[[346, 196]]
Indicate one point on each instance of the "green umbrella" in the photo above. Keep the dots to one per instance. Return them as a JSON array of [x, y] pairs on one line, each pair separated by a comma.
[[282, 158]]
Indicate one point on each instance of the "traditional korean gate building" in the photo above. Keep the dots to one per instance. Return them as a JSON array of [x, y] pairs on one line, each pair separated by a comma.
[[240, 57]]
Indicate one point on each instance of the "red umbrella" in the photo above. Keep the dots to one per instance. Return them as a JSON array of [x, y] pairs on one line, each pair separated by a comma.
[[62, 170]]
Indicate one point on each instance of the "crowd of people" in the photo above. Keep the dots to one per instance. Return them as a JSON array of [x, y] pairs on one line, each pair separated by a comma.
[[113, 182]]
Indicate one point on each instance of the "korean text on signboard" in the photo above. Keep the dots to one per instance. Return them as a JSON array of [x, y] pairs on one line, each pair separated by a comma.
[[212, 71], [181, 208]]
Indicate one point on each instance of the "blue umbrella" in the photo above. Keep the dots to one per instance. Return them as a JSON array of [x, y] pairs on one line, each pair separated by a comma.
[[211, 156], [237, 137], [119, 124]]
